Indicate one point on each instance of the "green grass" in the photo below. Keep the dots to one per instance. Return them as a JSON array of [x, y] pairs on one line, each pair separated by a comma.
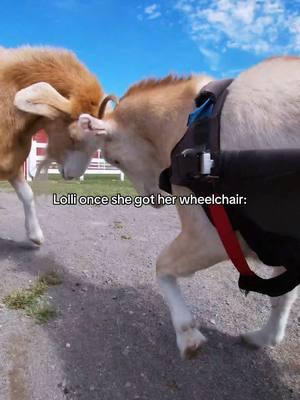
[[5, 187], [31, 299], [41, 312], [50, 279], [92, 185]]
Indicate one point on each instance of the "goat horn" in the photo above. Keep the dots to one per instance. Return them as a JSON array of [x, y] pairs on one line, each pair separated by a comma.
[[104, 102]]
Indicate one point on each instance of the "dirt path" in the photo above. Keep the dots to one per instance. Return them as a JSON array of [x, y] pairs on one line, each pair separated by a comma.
[[113, 337]]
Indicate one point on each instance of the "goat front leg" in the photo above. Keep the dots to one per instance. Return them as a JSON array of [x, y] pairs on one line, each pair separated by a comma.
[[273, 332], [189, 338], [197, 247], [25, 194]]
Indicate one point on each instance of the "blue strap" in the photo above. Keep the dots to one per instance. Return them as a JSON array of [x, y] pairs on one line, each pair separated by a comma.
[[201, 112]]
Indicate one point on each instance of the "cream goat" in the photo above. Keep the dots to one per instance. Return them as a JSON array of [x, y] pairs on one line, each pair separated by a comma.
[[262, 111]]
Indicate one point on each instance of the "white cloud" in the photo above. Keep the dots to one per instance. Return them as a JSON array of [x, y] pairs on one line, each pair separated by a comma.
[[152, 11], [257, 26], [211, 55]]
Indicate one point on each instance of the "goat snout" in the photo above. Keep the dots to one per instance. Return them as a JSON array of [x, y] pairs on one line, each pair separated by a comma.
[[65, 175]]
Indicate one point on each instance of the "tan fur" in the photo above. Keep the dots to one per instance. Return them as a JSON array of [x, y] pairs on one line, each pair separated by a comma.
[[41, 88], [22, 67], [153, 83], [284, 58], [60, 68], [156, 107]]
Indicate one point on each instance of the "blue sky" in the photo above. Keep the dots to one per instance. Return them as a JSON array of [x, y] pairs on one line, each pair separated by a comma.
[[125, 41]]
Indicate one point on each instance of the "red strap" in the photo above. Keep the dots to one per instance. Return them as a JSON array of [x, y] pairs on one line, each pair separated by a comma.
[[229, 239]]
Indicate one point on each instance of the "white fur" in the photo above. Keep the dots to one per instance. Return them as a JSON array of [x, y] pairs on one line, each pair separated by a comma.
[[262, 108], [25, 194], [272, 333], [188, 337]]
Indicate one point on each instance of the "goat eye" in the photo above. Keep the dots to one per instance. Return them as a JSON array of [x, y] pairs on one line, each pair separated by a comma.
[[116, 162]]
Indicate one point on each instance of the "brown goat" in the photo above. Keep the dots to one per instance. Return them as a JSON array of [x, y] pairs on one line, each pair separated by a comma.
[[41, 88]]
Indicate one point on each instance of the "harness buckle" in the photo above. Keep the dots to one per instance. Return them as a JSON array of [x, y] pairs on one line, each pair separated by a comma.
[[194, 163]]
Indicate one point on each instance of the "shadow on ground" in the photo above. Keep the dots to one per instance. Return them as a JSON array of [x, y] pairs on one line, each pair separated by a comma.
[[118, 343]]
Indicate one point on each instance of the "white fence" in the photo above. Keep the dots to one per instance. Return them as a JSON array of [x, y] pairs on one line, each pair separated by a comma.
[[98, 166]]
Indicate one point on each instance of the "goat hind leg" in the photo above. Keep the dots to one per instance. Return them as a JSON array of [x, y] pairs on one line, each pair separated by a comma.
[[273, 332]]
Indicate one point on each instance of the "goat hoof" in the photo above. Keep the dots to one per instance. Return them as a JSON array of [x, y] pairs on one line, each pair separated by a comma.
[[37, 237], [260, 338], [191, 352], [190, 343]]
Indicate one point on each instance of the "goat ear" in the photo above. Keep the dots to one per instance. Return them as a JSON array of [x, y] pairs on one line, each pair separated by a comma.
[[92, 125], [42, 99]]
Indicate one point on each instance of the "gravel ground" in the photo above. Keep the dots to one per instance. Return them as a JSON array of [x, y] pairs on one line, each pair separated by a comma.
[[113, 337]]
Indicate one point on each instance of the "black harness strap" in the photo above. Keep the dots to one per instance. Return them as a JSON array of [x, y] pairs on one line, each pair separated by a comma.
[[216, 91], [202, 135], [259, 175]]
